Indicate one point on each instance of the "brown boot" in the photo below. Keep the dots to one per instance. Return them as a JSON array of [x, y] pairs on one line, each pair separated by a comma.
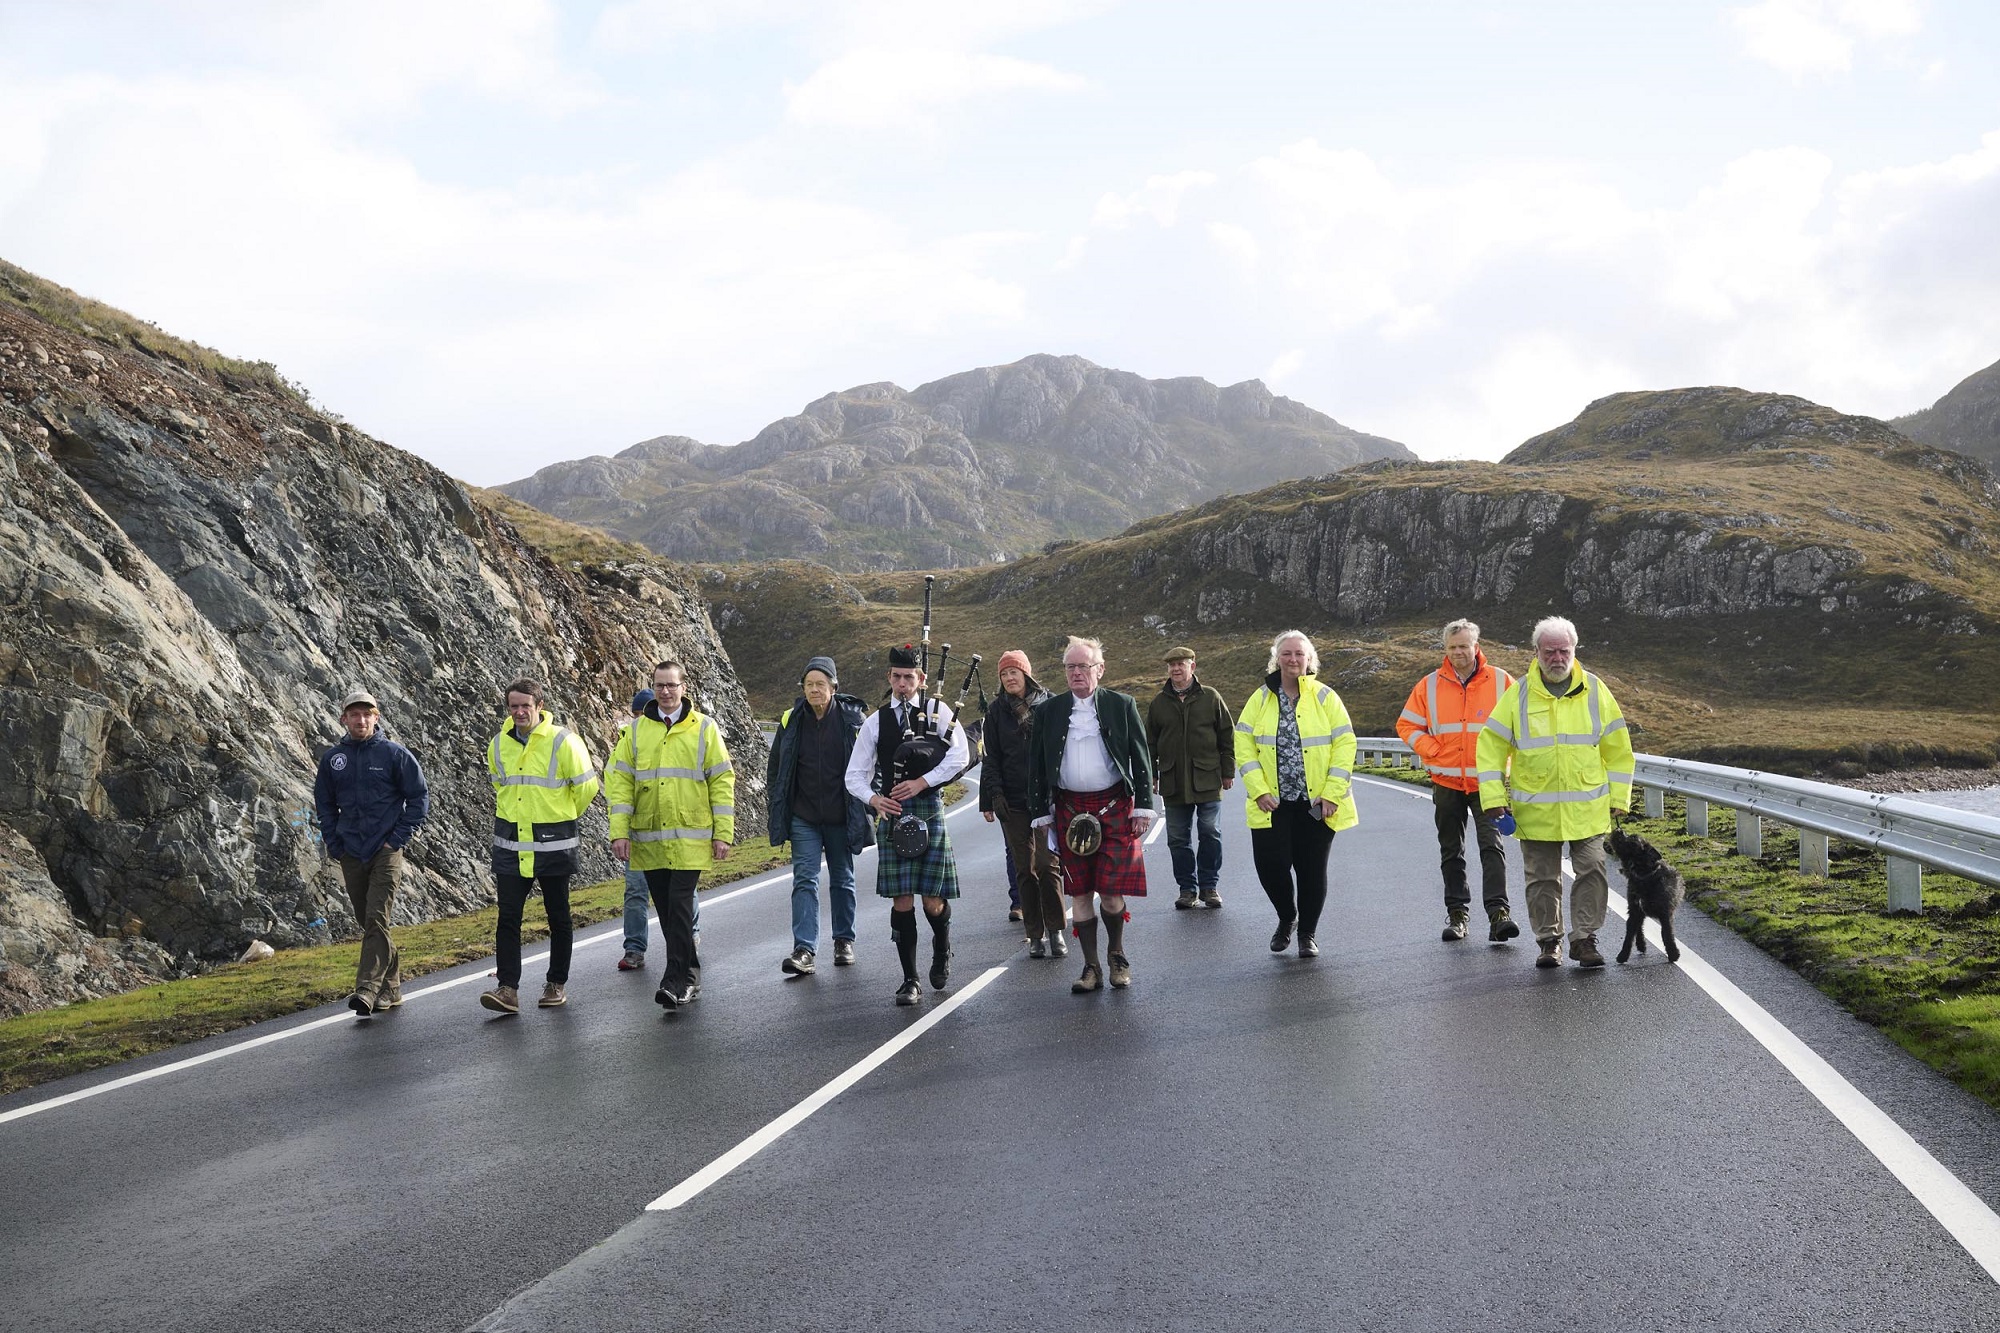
[[1584, 952], [1551, 954]]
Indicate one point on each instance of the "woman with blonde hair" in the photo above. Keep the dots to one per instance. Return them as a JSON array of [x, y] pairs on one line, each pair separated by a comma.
[[1295, 754]]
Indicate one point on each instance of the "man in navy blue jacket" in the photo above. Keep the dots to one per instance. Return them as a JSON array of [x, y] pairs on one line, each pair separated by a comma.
[[371, 797]]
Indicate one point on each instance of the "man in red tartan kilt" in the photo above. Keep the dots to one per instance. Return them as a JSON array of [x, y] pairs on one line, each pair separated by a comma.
[[1090, 782]]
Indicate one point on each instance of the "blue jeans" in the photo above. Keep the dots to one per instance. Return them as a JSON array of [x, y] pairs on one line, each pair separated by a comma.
[[1195, 871], [809, 843], [635, 911]]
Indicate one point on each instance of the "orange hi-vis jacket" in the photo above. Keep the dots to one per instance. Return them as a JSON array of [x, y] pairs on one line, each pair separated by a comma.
[[1442, 719]]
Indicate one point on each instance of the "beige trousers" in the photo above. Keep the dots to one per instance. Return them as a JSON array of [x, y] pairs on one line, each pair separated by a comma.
[[1541, 862]]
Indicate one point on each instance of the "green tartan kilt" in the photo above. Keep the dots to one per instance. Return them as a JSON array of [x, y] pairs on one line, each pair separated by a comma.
[[932, 875]]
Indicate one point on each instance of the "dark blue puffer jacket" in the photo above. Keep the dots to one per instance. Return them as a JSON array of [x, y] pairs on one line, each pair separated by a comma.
[[369, 793]]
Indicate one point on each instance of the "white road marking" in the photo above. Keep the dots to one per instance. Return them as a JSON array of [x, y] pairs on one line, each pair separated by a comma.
[[1159, 827], [1958, 1210], [701, 1180]]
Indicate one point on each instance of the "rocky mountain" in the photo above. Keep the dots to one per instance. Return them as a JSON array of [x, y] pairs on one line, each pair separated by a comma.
[[1766, 575], [976, 468], [194, 565], [1966, 419]]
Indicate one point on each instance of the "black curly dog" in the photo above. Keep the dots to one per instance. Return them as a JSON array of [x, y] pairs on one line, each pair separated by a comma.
[[1652, 889]]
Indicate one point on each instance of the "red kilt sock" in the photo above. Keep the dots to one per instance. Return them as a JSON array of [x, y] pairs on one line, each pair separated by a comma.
[[1086, 934], [903, 929], [1114, 933]]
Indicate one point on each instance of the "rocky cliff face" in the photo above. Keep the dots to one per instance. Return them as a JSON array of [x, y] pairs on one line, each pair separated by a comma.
[[1966, 419], [974, 468], [194, 565]]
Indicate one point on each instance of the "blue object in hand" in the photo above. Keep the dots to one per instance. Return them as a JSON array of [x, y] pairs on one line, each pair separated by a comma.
[[1504, 821]]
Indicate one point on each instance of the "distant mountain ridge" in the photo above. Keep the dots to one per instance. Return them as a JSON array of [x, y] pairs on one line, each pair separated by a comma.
[[975, 468], [1966, 419]]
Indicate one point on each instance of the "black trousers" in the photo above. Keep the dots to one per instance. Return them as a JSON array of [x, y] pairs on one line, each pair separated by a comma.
[[507, 944], [1452, 807], [1291, 863], [673, 898]]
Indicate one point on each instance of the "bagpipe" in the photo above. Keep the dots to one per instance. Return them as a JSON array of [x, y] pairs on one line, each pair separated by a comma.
[[923, 746]]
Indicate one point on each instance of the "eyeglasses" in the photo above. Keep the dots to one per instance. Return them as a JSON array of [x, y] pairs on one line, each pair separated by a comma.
[[1080, 666]]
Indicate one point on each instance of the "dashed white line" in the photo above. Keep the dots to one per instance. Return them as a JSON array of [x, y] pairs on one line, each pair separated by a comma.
[[701, 1180]]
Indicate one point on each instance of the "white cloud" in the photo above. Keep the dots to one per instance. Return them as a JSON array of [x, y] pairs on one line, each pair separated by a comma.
[[1159, 199], [882, 88], [1808, 37]]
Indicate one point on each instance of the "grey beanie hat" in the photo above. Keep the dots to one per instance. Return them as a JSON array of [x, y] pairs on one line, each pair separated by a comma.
[[823, 665]]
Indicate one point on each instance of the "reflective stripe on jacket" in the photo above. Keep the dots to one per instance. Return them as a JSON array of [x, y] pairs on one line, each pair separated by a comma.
[[672, 790], [1561, 763], [1442, 718], [1326, 738], [540, 790]]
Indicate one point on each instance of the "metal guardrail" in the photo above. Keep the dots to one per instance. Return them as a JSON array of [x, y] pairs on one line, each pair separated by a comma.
[[1910, 834]]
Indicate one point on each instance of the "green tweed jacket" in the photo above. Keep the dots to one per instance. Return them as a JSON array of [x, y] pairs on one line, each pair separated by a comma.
[[1124, 739]]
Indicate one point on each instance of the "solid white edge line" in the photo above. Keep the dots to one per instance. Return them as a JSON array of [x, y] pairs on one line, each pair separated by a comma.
[[617, 932], [716, 1170], [1159, 827]]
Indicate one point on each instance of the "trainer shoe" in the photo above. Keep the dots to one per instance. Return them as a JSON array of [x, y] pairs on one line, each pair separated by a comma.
[[1121, 972], [502, 1000], [909, 992], [361, 1002], [798, 963], [389, 999], [1584, 952], [1211, 898], [843, 953], [1308, 946], [940, 970], [1185, 901], [1058, 943], [1551, 954], [633, 961], [1501, 925], [1092, 979], [1038, 948], [675, 999], [1281, 938], [552, 996], [1454, 924]]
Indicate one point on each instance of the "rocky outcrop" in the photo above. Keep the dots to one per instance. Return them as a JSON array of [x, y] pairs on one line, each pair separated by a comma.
[[194, 565], [970, 469], [1967, 419]]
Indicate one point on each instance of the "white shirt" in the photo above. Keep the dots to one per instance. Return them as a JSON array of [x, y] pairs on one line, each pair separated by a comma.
[[1085, 765], [861, 764]]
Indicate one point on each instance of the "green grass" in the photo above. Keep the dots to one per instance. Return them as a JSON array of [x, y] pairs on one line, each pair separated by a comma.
[[1929, 979], [55, 1043]]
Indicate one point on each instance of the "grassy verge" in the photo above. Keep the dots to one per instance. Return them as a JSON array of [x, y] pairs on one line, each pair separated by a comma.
[[55, 1043], [1930, 979]]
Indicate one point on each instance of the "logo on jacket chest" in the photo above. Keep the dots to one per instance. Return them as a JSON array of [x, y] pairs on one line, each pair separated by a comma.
[[338, 763]]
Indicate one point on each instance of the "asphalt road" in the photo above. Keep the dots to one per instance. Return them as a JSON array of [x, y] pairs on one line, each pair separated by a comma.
[[1401, 1134]]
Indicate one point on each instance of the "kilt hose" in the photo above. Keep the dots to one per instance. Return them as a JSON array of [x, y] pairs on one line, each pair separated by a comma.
[[932, 875], [1118, 868]]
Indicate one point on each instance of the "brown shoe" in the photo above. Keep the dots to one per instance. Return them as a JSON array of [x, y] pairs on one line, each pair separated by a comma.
[[1551, 954], [1584, 952], [502, 1000], [1185, 901], [552, 996], [1121, 972], [1092, 979], [1211, 898]]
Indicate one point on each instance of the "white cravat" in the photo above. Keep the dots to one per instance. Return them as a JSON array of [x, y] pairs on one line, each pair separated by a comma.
[[1085, 765]]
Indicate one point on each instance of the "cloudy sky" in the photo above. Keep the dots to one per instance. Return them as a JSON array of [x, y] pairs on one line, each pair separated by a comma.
[[503, 232]]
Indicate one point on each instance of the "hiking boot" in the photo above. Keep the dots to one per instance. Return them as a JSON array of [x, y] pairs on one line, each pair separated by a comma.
[[502, 1000], [1121, 972], [1281, 938], [1058, 943], [1551, 954], [1501, 925], [1038, 948], [1185, 901], [909, 992], [1454, 924], [798, 963], [633, 961], [1211, 898], [362, 1003], [940, 969], [1584, 952], [552, 996], [389, 999], [1308, 946], [1092, 979], [843, 953]]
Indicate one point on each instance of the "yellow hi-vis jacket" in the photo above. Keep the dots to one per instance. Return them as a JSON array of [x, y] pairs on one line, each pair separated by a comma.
[[672, 790], [1326, 738], [1561, 762], [540, 790]]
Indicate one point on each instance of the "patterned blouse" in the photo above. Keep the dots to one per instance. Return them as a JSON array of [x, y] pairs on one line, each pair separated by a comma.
[[1291, 755]]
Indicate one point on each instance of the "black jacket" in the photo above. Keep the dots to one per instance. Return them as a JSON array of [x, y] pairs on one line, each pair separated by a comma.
[[1003, 775], [784, 762]]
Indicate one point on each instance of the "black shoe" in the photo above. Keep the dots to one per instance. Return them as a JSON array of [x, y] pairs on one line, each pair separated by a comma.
[[843, 953], [1308, 946], [676, 999], [1038, 948], [361, 1003], [798, 963], [1281, 938], [941, 970], [1501, 926], [909, 992]]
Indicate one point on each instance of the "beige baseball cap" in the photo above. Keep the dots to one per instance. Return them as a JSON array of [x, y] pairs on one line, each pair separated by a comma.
[[358, 697]]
